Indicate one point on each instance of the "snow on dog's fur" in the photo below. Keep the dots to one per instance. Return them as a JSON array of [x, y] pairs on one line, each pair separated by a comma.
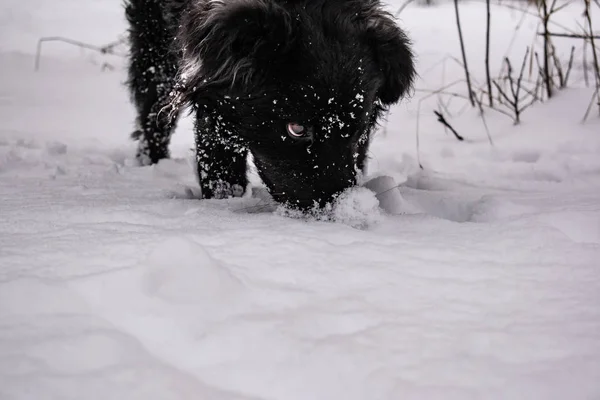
[[300, 84]]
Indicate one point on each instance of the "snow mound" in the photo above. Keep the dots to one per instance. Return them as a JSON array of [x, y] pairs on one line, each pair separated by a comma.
[[181, 271], [387, 191], [357, 207], [491, 208]]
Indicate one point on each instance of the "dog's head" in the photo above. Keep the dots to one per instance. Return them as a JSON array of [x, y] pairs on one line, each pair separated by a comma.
[[301, 82]]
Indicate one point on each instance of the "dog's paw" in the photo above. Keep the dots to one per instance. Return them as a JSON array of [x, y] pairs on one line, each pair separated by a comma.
[[143, 160], [142, 155], [237, 190]]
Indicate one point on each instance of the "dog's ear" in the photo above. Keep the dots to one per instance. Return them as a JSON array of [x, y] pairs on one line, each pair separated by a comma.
[[393, 55], [228, 41]]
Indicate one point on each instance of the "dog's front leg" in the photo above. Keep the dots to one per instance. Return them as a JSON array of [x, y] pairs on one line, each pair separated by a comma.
[[221, 162]]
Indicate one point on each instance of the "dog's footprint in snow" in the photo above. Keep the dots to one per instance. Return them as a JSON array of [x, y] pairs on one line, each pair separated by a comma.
[[56, 148], [580, 227], [526, 156], [492, 208]]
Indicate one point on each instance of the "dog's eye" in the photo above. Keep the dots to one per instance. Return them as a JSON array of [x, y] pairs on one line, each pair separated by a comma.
[[296, 130]]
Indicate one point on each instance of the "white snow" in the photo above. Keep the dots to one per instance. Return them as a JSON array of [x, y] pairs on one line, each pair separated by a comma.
[[476, 278]]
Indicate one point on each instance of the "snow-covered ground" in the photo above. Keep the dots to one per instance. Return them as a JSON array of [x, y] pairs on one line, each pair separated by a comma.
[[482, 281]]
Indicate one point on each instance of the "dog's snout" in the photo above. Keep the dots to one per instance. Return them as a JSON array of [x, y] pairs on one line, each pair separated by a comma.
[[320, 193], [327, 190]]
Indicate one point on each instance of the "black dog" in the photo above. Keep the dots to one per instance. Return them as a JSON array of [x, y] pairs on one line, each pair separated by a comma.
[[298, 83]]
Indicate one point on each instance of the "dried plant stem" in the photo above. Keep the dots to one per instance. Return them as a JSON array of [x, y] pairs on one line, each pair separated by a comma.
[[443, 121], [402, 7], [514, 98], [559, 71], [107, 49], [570, 65], [487, 55], [464, 55], [589, 107], [545, 20], [570, 35], [588, 17]]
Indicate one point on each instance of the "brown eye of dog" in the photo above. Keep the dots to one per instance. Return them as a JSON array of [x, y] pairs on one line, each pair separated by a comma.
[[295, 130]]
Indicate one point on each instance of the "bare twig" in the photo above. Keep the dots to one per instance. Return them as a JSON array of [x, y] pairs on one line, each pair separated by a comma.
[[570, 35], [541, 73], [521, 73], [514, 98], [589, 107], [106, 49], [524, 10], [570, 65], [586, 77], [546, 13], [487, 130], [403, 6], [513, 39], [464, 55], [443, 90], [504, 95], [559, 71], [460, 96], [487, 55], [443, 121], [588, 17]]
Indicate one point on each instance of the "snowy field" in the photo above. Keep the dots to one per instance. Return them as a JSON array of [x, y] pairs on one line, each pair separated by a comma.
[[478, 279]]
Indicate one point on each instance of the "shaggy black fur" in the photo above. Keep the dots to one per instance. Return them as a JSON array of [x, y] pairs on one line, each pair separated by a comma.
[[249, 68]]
